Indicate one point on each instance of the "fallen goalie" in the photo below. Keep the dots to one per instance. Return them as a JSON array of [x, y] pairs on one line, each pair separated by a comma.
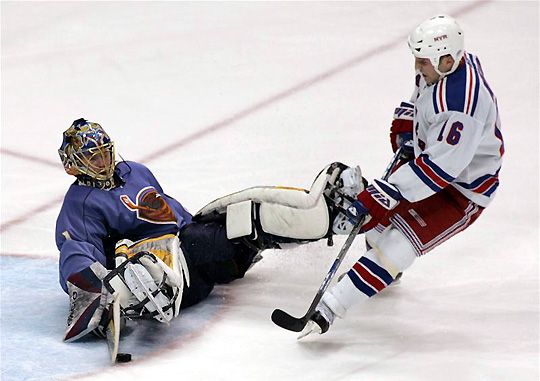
[[128, 250]]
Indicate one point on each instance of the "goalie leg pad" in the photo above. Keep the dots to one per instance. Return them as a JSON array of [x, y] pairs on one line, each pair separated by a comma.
[[142, 285], [146, 287], [281, 220], [289, 213], [239, 221], [277, 220], [164, 261]]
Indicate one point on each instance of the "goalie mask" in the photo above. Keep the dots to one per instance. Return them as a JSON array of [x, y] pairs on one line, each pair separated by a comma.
[[87, 150]]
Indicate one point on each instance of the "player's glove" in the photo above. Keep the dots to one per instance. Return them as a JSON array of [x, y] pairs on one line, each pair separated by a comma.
[[401, 132], [147, 287], [374, 202]]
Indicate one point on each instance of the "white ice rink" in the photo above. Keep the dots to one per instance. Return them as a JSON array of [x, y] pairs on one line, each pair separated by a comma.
[[217, 97]]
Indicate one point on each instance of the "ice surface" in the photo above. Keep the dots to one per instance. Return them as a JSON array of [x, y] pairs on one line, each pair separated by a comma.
[[217, 97]]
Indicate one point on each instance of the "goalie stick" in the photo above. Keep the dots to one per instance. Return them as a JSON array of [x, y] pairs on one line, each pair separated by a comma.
[[291, 323], [113, 329], [114, 326]]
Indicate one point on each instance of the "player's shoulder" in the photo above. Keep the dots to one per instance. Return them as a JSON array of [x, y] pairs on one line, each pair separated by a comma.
[[461, 91], [74, 205]]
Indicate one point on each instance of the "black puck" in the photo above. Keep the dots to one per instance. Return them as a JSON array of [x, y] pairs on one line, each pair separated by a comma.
[[123, 357]]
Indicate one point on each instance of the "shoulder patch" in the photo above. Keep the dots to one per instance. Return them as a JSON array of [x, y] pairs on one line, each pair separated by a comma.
[[150, 206]]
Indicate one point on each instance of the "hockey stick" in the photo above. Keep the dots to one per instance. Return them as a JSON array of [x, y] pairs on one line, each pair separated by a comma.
[[114, 326], [291, 323]]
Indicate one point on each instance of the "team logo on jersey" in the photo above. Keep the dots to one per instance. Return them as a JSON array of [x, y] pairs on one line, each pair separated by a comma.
[[150, 207]]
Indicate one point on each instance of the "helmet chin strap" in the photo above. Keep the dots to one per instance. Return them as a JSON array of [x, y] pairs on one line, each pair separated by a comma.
[[457, 61]]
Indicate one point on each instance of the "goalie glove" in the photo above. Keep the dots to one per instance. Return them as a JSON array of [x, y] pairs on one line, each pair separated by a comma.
[[376, 201], [147, 287]]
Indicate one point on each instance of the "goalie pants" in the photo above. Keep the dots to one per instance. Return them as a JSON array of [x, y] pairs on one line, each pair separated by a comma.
[[211, 259]]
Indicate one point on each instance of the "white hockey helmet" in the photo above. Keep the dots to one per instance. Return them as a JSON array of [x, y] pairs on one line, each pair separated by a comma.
[[436, 37]]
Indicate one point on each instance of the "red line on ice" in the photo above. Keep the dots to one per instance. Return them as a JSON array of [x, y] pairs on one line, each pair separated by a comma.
[[226, 122]]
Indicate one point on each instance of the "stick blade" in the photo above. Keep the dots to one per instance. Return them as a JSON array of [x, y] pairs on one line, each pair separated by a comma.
[[286, 321]]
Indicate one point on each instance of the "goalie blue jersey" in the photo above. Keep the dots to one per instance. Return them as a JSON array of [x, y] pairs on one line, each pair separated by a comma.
[[92, 220]]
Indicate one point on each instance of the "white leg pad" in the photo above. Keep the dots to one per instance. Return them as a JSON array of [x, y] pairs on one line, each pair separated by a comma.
[[295, 223], [239, 219]]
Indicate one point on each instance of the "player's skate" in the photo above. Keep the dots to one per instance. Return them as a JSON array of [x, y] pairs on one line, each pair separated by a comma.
[[319, 322]]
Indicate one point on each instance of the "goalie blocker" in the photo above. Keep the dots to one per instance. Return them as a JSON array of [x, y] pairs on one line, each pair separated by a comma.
[[271, 216]]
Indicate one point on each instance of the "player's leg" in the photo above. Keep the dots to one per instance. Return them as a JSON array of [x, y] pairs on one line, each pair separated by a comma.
[[207, 248], [416, 229], [371, 274], [274, 216]]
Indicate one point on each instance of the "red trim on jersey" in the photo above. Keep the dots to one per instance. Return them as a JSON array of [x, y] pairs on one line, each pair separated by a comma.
[[486, 185], [470, 83], [430, 173], [443, 83]]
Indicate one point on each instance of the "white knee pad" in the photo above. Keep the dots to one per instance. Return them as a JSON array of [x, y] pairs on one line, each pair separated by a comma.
[[392, 251]]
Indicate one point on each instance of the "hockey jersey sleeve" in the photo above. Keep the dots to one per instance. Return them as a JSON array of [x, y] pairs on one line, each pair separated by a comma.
[[79, 238], [442, 153]]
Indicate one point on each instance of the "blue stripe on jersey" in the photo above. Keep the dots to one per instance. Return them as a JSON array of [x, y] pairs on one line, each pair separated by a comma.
[[435, 91], [476, 87], [389, 190], [476, 182], [487, 192], [360, 284], [478, 65], [438, 170], [377, 270], [426, 180], [456, 88]]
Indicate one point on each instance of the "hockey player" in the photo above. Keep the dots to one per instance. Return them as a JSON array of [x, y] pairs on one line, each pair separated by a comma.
[[115, 216], [452, 124]]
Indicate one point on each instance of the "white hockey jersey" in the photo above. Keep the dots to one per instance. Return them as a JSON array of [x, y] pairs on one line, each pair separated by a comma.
[[457, 137]]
